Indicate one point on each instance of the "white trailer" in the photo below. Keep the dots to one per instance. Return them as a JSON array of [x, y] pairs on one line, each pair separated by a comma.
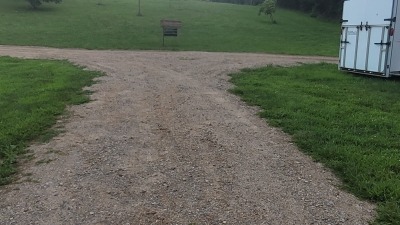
[[370, 43]]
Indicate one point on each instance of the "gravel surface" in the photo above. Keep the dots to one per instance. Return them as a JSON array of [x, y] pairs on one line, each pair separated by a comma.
[[163, 142]]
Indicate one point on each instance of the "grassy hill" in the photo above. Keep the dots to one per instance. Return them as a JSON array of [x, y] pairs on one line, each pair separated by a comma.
[[114, 24]]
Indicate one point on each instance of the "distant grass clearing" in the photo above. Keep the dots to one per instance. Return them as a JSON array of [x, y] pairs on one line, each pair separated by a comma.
[[207, 26], [350, 123], [32, 94]]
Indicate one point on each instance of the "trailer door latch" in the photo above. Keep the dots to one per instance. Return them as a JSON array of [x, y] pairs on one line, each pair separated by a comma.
[[360, 27], [345, 42], [383, 43], [367, 26], [391, 19]]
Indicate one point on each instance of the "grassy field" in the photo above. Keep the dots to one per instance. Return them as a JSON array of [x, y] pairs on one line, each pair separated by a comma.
[[113, 24], [32, 94], [350, 123]]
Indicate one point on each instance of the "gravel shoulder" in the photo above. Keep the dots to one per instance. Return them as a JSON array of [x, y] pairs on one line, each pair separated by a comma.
[[163, 142]]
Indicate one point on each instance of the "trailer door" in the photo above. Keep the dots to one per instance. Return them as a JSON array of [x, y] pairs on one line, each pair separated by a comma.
[[377, 47], [364, 39], [348, 48]]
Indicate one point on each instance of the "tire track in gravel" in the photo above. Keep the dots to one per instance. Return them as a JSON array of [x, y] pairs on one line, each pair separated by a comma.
[[163, 142]]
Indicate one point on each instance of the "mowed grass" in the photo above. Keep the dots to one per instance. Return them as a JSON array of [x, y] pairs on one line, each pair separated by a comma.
[[350, 123], [33, 93], [207, 26]]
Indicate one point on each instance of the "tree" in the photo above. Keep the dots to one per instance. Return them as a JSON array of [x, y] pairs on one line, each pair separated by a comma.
[[316, 8], [268, 7], [324, 8], [36, 3], [241, 2]]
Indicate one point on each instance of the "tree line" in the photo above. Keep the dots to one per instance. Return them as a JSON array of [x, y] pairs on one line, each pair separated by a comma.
[[325, 8]]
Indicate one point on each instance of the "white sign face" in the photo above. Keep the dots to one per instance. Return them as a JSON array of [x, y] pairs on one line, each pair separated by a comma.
[[351, 32]]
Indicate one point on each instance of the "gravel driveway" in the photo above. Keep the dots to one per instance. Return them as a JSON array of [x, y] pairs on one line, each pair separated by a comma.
[[163, 142]]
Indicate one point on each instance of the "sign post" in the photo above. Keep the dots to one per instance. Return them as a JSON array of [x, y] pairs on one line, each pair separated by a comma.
[[139, 13]]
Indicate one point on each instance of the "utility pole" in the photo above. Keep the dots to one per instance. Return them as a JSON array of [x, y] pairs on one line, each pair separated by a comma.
[[139, 13]]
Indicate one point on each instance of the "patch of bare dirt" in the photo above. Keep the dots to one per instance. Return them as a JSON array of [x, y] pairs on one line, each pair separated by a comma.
[[163, 142]]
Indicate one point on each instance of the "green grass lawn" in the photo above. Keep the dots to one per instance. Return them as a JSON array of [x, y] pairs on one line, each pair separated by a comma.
[[207, 26], [350, 123], [32, 94]]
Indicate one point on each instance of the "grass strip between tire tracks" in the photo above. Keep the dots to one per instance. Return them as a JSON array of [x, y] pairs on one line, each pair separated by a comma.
[[350, 123]]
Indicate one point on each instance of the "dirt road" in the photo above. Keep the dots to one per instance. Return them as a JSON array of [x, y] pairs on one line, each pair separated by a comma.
[[163, 142]]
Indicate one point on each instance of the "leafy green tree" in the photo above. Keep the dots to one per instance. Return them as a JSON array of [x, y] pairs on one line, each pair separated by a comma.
[[36, 3], [268, 7]]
